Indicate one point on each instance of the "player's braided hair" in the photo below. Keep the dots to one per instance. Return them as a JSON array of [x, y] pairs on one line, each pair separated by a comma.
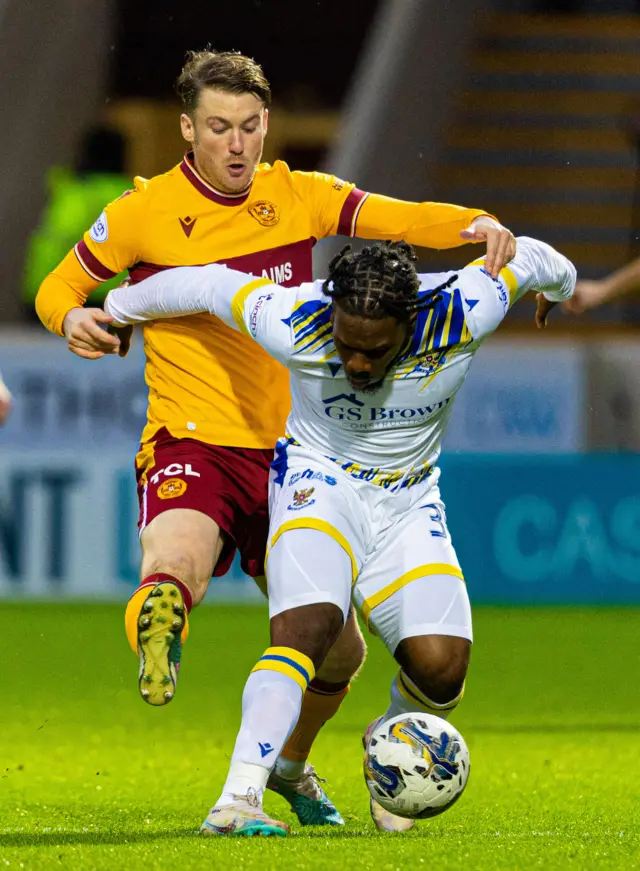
[[379, 282]]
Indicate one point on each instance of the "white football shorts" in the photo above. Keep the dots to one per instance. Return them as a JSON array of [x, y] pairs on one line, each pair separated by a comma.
[[337, 539]]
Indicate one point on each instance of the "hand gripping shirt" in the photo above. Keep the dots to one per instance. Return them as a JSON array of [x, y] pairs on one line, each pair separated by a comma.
[[207, 381], [391, 437]]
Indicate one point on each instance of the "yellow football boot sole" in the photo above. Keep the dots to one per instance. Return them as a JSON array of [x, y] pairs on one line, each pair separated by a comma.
[[162, 622]]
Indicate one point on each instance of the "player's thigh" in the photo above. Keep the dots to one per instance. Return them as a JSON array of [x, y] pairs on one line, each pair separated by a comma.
[[308, 567], [188, 504], [183, 542], [315, 537], [412, 585]]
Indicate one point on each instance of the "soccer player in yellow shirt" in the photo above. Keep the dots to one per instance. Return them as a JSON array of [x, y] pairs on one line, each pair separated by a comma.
[[217, 401]]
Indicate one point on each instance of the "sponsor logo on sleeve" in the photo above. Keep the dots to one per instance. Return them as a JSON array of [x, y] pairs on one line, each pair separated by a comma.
[[100, 230], [265, 213], [503, 295], [255, 311], [501, 290]]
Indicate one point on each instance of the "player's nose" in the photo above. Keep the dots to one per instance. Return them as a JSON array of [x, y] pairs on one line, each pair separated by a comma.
[[236, 143], [359, 367]]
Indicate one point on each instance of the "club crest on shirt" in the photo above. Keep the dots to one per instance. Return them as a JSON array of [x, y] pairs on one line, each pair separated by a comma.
[[302, 499], [428, 364], [171, 488], [265, 213], [424, 366]]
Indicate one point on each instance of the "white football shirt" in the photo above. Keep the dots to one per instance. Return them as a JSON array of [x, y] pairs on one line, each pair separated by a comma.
[[388, 436]]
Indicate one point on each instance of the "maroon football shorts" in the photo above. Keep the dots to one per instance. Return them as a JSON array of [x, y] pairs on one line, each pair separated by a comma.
[[229, 485]]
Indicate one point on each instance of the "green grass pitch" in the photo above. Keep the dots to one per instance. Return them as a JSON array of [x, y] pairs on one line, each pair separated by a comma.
[[91, 778]]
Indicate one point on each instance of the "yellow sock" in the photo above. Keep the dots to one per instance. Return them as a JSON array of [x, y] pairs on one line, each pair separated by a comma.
[[320, 703]]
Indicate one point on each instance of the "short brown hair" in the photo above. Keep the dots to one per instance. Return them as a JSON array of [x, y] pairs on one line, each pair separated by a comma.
[[228, 70]]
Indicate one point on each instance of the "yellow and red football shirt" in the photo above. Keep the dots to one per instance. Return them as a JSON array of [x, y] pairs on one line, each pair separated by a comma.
[[205, 380]]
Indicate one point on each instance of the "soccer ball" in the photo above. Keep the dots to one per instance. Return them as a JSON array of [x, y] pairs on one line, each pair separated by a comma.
[[416, 765]]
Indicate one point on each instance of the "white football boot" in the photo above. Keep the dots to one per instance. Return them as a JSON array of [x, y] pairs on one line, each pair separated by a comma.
[[383, 819], [244, 817]]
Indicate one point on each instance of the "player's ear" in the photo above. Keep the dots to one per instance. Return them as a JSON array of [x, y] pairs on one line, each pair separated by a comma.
[[265, 120], [187, 127]]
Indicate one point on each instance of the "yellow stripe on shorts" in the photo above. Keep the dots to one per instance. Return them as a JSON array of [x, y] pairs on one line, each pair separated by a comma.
[[321, 526], [420, 572], [238, 301]]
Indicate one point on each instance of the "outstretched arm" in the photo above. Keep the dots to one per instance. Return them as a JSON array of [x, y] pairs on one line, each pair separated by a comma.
[[253, 306], [338, 207], [536, 267], [5, 401], [435, 225], [590, 294]]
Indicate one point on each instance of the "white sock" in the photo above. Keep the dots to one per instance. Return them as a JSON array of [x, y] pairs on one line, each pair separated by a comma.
[[406, 698], [271, 705], [289, 769]]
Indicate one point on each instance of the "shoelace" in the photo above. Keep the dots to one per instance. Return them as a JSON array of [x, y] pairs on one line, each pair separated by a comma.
[[253, 797], [311, 772]]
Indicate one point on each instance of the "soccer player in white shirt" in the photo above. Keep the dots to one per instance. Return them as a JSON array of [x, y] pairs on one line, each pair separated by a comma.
[[376, 354]]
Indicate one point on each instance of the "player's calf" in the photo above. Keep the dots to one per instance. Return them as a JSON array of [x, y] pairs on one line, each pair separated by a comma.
[[293, 777], [273, 693], [324, 696]]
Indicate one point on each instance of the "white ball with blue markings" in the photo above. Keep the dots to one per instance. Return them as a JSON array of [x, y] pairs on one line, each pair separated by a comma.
[[416, 765]]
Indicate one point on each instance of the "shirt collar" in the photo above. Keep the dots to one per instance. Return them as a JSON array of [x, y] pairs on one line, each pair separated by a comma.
[[193, 176]]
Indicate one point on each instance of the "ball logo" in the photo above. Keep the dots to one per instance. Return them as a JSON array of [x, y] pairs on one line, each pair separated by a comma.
[[100, 230], [439, 751], [171, 488], [265, 213]]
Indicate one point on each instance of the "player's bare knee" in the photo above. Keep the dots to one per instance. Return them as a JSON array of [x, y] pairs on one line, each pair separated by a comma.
[[437, 664], [346, 656], [310, 629]]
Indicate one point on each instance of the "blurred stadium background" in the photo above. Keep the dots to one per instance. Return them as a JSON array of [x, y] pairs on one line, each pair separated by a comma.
[[527, 108]]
